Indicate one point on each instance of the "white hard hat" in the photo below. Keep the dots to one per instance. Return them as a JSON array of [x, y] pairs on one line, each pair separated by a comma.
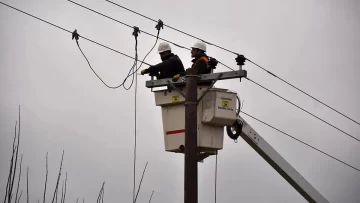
[[163, 46], [199, 45]]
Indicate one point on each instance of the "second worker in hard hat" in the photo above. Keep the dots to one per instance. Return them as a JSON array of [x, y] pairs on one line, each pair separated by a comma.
[[171, 64], [200, 61]]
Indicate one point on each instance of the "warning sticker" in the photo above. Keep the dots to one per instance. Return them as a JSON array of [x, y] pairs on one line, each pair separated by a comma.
[[224, 103], [175, 99]]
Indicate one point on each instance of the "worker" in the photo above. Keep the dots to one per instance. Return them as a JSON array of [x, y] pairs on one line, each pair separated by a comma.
[[200, 61], [170, 65]]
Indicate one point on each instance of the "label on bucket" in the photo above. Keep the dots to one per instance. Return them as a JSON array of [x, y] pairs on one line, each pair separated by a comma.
[[175, 99]]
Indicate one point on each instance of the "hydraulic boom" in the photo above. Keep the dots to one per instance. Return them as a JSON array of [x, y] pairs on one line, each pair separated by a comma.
[[265, 150]]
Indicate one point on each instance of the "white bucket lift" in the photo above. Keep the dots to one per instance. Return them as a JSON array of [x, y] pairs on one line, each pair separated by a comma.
[[215, 110]]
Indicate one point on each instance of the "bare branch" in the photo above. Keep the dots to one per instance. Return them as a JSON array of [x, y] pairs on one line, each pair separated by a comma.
[[56, 195], [140, 182], [8, 184], [16, 160], [27, 184], [19, 197], [65, 188], [18, 184], [102, 196], [57, 183], [99, 197], [62, 192], [151, 196], [46, 176]]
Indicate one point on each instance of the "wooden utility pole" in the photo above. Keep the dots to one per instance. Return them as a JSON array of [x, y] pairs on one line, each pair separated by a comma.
[[191, 167]]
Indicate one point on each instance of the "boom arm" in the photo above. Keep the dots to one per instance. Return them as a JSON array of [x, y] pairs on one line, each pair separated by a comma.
[[265, 150]]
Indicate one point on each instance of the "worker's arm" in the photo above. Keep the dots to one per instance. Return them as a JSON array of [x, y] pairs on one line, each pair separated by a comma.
[[159, 67]]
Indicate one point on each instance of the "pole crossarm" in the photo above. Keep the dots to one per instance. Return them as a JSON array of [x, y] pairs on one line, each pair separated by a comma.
[[203, 78]]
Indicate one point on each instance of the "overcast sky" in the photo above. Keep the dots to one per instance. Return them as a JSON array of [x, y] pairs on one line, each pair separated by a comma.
[[313, 44]]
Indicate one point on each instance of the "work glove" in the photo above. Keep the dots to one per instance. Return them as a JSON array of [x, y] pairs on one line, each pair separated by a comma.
[[143, 71], [175, 77]]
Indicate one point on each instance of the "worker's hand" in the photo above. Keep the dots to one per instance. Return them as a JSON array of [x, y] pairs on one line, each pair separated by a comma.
[[176, 77], [143, 71]]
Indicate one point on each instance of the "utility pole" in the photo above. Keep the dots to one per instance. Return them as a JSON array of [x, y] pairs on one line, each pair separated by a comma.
[[191, 167]]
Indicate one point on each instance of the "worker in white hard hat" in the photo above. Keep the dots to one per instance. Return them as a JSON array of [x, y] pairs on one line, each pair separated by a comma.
[[171, 64], [200, 61]]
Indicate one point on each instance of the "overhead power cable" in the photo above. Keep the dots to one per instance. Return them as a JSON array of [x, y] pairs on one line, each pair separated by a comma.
[[97, 43], [106, 16], [331, 125], [72, 32], [135, 33], [149, 64], [288, 83], [207, 42], [76, 37], [300, 141], [123, 53]]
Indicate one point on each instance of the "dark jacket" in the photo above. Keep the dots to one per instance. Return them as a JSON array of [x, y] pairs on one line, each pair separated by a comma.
[[170, 66], [200, 64]]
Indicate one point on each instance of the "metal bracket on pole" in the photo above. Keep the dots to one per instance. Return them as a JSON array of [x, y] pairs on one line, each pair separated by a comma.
[[212, 84], [177, 89], [204, 155]]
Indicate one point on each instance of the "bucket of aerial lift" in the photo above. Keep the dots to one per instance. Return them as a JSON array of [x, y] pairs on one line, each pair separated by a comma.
[[215, 110]]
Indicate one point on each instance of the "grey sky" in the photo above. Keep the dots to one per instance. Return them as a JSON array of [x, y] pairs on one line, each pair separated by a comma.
[[312, 44]]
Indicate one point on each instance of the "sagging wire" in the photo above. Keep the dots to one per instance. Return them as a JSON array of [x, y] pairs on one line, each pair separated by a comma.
[[136, 33], [125, 24], [75, 35]]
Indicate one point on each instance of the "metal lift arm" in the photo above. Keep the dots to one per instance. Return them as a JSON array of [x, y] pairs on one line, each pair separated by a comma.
[[265, 150]]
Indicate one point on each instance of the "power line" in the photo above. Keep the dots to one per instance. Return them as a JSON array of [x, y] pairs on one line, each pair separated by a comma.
[[300, 141], [172, 27], [71, 33], [111, 87], [305, 93], [106, 16], [304, 110], [238, 54], [126, 24]]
